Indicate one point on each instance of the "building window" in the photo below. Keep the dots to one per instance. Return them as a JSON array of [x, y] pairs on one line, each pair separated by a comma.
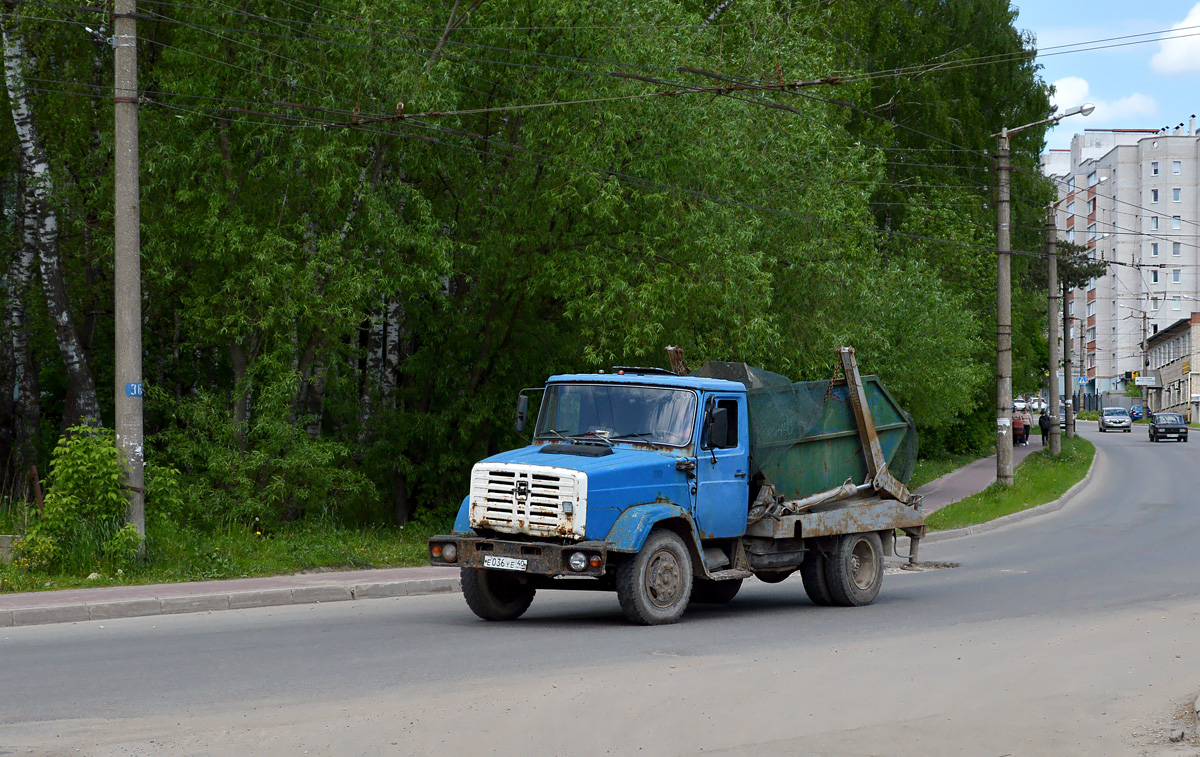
[[1071, 235], [1071, 308], [1154, 168], [1175, 220], [1154, 277], [1154, 302], [1176, 167], [1175, 276], [1154, 249], [1091, 206], [1154, 223], [1071, 207], [1091, 231], [1153, 195], [1091, 334], [1176, 249], [1175, 301], [1091, 308], [1071, 184], [1176, 193], [1092, 180]]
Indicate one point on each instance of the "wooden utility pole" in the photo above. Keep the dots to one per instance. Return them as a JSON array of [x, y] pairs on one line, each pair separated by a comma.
[[127, 266]]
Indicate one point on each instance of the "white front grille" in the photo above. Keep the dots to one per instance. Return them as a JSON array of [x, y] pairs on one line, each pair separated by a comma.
[[537, 500]]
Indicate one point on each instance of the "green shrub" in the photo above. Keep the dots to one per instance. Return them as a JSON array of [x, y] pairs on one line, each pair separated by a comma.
[[82, 522]]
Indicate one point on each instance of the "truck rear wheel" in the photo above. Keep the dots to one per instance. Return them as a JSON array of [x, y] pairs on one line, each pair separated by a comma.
[[812, 570], [854, 572], [654, 586], [715, 592], [495, 595]]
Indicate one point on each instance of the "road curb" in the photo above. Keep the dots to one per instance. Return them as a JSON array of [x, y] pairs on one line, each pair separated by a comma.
[[1013, 518], [239, 600]]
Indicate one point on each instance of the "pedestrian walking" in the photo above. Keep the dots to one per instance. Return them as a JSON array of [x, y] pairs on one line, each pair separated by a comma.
[[1027, 421], [1018, 427], [1044, 425]]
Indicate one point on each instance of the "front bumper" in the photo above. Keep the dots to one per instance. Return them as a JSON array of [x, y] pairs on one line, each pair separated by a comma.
[[541, 558]]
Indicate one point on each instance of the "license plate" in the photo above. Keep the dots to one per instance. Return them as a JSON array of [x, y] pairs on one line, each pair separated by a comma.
[[504, 563]]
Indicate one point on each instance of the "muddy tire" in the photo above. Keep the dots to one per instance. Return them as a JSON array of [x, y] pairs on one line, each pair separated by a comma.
[[495, 595], [715, 592], [654, 586], [812, 570], [854, 572], [772, 576]]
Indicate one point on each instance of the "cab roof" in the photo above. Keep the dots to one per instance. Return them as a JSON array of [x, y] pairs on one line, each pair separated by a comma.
[[647, 379]]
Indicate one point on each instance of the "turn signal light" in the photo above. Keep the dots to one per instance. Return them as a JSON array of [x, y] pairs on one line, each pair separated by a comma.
[[436, 550], [595, 561]]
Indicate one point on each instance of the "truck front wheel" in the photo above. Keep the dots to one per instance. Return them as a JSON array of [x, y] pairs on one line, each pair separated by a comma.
[[494, 595], [854, 572], [654, 586]]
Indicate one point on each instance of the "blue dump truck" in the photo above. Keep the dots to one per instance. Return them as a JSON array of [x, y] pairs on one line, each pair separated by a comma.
[[670, 489]]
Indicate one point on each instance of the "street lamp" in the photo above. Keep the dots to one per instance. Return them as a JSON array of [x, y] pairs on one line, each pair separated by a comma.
[[1004, 449]]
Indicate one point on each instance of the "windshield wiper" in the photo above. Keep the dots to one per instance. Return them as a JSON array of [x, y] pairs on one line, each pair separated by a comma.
[[637, 435], [589, 439]]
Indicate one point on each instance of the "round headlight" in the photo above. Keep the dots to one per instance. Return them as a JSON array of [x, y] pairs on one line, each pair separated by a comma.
[[578, 561], [449, 552]]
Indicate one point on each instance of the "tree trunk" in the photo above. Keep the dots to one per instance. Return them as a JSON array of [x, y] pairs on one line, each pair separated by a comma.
[[19, 408], [41, 218]]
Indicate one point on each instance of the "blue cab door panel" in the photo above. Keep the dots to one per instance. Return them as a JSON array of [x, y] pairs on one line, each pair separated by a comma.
[[722, 476]]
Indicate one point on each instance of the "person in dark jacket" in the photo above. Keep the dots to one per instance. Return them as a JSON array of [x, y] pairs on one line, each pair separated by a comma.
[[1044, 425]]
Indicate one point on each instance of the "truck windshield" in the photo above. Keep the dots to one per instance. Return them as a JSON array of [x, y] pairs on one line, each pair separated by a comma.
[[618, 412]]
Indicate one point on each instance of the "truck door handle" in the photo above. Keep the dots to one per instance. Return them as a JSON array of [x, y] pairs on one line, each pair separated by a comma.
[[740, 474]]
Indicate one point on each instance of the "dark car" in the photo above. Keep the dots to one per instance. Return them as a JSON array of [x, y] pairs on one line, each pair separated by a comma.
[[1168, 426]]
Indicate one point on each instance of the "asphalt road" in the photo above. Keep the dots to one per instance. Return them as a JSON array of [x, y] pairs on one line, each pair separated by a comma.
[[1075, 633]]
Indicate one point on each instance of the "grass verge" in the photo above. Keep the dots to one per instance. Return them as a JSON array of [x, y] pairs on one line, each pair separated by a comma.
[[1039, 479], [175, 554], [930, 470]]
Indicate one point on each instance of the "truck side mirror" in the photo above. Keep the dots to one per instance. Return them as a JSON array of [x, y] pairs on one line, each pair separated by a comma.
[[718, 429], [522, 412]]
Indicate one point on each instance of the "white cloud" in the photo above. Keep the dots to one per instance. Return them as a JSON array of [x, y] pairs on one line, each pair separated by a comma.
[[1180, 54], [1073, 90]]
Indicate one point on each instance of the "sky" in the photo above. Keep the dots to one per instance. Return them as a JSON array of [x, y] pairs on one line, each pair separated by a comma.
[[1134, 86]]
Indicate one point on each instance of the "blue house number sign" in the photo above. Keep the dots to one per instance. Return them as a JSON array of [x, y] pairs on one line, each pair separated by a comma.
[[133, 390]]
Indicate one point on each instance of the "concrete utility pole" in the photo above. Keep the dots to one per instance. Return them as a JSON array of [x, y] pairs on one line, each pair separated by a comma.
[[1004, 429], [1145, 364], [1004, 451], [1068, 415], [1052, 325], [127, 265]]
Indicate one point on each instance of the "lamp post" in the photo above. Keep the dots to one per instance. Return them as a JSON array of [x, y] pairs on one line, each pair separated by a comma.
[[1004, 449]]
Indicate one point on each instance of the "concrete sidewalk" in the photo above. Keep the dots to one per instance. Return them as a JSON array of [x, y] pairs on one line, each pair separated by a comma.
[[969, 479], [103, 603]]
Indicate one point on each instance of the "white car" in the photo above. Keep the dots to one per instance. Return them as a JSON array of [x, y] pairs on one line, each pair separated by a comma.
[[1115, 419], [1019, 404]]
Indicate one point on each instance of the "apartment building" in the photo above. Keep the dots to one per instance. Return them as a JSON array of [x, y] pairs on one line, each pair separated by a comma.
[[1133, 197], [1172, 353]]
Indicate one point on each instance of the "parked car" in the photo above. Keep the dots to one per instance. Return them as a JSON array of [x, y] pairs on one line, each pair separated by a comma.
[[1136, 412], [1168, 426], [1019, 404], [1115, 419], [1062, 416]]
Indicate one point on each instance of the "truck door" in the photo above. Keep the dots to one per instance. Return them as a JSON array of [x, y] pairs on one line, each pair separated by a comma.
[[722, 469]]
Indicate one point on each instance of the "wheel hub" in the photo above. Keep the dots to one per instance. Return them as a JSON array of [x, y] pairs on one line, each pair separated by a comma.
[[664, 579], [862, 565]]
